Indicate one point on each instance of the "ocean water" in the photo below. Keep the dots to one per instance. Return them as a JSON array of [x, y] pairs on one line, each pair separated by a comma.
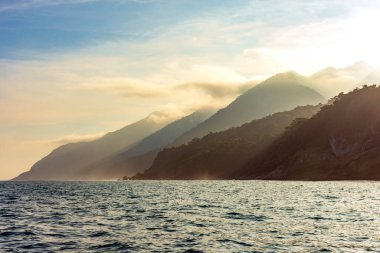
[[190, 216]]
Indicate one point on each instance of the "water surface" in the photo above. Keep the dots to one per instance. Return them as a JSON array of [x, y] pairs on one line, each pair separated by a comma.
[[190, 216]]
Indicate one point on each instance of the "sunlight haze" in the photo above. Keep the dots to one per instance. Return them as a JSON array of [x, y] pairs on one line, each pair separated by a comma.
[[75, 70]]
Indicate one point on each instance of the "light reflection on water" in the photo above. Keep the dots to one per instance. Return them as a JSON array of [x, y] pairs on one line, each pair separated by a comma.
[[180, 216]]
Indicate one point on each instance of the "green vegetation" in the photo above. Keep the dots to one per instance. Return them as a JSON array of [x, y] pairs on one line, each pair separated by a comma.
[[342, 141], [215, 155]]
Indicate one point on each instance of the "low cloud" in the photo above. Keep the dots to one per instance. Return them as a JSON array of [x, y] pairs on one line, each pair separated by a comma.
[[216, 91], [125, 87], [137, 88], [167, 115], [71, 138]]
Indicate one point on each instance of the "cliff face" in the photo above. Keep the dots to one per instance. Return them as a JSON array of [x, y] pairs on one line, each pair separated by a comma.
[[341, 142], [216, 155]]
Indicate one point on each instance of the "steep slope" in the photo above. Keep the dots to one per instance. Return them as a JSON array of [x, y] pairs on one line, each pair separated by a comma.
[[342, 141], [279, 93], [216, 155], [140, 156], [68, 161], [168, 134]]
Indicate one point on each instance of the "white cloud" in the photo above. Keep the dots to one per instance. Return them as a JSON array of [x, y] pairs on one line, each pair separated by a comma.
[[216, 90], [312, 46], [70, 138]]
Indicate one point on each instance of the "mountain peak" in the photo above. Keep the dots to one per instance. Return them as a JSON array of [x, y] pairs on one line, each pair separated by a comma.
[[286, 78], [288, 74], [358, 68], [281, 92], [329, 71], [359, 65]]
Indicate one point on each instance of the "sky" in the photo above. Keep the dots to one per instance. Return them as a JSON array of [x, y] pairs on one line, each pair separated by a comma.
[[72, 70]]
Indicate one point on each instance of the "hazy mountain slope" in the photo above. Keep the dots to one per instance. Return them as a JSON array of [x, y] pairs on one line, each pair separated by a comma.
[[372, 78], [117, 166], [279, 93], [140, 156], [216, 155], [332, 81], [67, 161], [168, 134], [342, 141]]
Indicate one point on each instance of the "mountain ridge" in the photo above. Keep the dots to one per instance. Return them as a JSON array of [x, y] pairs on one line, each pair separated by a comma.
[[65, 161], [214, 155], [332, 145], [139, 157], [280, 92]]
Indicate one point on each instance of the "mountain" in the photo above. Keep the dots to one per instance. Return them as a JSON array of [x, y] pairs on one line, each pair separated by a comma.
[[140, 156], [341, 142], [168, 134], [281, 92], [372, 78], [331, 81], [67, 161], [216, 155]]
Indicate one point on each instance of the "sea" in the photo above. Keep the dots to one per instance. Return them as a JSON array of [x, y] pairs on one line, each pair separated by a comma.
[[190, 216]]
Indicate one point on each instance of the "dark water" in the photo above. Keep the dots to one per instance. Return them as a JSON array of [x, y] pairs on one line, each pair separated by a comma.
[[195, 216]]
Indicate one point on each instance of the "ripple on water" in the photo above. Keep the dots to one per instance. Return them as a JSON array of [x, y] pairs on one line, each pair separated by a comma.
[[239, 216], [183, 216]]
